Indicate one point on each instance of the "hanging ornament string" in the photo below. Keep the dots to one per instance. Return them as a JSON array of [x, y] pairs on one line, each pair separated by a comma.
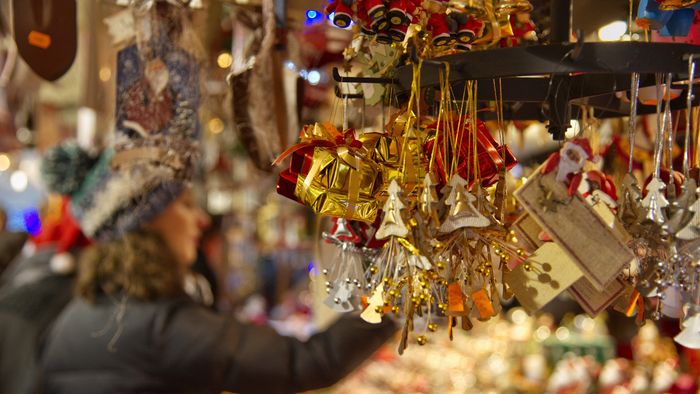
[[632, 131], [672, 131], [688, 112], [473, 134], [696, 137], [345, 112], [660, 124], [501, 186], [629, 24]]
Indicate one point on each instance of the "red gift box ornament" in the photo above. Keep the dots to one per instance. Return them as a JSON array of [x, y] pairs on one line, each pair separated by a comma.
[[331, 172], [491, 157]]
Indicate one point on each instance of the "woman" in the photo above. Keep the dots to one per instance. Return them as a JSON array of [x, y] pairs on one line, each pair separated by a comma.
[[132, 328]]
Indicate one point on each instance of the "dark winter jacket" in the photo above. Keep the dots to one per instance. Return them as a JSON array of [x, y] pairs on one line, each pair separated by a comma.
[[31, 297], [11, 245], [177, 346]]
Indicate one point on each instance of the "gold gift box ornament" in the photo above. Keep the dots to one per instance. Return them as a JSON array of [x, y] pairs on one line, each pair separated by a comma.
[[399, 153], [332, 172]]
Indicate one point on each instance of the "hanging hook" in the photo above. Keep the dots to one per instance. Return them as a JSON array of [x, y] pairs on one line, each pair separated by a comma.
[[341, 79]]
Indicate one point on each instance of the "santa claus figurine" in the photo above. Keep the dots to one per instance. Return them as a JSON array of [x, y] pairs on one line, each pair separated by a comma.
[[593, 185]]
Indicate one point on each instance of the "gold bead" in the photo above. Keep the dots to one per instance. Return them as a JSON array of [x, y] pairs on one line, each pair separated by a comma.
[[440, 265], [520, 252], [395, 309], [373, 269], [432, 327], [527, 267], [378, 309], [442, 305], [422, 340]]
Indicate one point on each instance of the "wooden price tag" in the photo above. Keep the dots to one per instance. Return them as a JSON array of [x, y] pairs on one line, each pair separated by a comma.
[[590, 243], [592, 300], [527, 231], [551, 272]]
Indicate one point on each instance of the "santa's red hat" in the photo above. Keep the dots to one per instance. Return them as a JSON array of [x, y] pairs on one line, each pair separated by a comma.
[[584, 145]]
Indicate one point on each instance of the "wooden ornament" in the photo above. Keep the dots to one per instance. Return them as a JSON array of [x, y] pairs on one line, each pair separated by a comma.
[[591, 299], [370, 314], [587, 240], [547, 273]]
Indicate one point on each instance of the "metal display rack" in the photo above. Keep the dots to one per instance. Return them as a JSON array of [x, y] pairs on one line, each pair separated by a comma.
[[552, 82]]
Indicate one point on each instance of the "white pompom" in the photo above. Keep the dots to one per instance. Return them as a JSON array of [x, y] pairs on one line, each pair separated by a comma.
[[62, 264]]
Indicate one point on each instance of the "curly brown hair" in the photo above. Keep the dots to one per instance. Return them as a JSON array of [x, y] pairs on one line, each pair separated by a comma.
[[138, 265]]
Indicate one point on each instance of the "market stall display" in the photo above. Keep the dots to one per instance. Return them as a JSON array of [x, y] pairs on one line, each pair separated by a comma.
[[462, 168]]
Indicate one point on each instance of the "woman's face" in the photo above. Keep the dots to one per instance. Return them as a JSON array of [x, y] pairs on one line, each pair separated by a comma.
[[180, 225]]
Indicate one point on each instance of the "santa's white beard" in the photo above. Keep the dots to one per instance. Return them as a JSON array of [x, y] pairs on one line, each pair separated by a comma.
[[566, 167]]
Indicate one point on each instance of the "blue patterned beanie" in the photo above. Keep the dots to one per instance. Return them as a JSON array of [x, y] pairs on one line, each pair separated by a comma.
[[155, 149]]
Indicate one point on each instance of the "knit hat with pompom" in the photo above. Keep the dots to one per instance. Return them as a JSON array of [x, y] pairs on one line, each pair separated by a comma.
[[152, 159]]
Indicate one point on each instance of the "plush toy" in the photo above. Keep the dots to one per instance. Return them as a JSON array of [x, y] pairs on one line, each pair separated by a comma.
[[523, 31], [376, 10], [342, 12], [397, 13], [398, 32], [676, 22], [465, 27], [671, 5], [439, 27], [363, 20], [383, 37]]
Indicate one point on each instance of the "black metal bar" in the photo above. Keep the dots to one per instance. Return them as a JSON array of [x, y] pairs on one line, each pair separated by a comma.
[[339, 78], [616, 107], [560, 16], [595, 57]]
